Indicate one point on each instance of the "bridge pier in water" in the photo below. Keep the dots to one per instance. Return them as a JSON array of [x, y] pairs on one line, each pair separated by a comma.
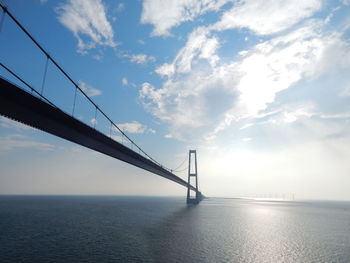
[[192, 173]]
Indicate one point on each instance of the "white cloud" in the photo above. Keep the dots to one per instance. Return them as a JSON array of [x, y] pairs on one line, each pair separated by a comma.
[[291, 113], [251, 82], [88, 22], [190, 100], [199, 45], [141, 58], [331, 14], [336, 54], [134, 127], [243, 87], [89, 90], [118, 138], [166, 69], [164, 15], [345, 2], [11, 124], [200, 91], [276, 65], [260, 16], [245, 126], [168, 136], [121, 7], [265, 17], [20, 141], [97, 57], [294, 115], [289, 117], [343, 115], [125, 81], [93, 121]]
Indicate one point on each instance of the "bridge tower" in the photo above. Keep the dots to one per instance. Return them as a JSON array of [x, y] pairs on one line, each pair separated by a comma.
[[192, 173]]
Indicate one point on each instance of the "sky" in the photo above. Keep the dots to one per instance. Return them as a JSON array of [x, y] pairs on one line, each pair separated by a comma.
[[260, 88]]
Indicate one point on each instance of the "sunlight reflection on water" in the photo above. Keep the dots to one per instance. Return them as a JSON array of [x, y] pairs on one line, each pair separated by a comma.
[[149, 229]]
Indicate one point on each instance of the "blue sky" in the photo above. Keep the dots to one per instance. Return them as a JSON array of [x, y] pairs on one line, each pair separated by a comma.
[[260, 88]]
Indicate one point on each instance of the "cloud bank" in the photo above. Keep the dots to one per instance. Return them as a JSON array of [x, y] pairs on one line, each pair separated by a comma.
[[203, 93], [87, 20]]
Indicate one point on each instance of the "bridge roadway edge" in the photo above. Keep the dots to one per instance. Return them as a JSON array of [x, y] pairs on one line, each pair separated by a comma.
[[19, 105]]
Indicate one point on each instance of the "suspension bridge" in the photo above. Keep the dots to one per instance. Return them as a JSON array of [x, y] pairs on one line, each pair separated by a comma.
[[28, 105]]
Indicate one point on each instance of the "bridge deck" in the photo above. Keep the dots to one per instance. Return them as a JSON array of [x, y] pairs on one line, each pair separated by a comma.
[[21, 106]]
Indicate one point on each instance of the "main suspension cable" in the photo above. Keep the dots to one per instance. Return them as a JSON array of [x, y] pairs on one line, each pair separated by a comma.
[[48, 57]]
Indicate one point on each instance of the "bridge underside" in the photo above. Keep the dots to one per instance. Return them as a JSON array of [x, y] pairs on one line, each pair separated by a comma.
[[21, 106]]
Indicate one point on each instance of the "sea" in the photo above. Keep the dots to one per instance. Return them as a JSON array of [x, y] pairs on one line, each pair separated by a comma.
[[165, 229]]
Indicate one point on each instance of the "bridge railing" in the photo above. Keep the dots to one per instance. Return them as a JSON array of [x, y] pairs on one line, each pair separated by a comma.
[[110, 128]]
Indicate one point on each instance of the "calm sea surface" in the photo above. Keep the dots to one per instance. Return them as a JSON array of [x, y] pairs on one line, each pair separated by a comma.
[[150, 229]]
